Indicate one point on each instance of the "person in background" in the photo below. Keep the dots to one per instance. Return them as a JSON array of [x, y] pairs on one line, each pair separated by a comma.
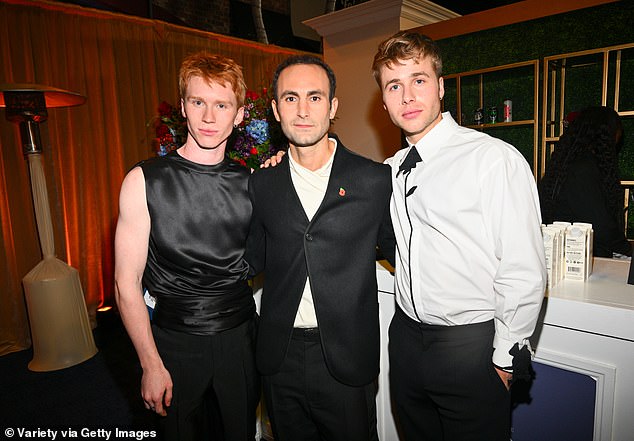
[[470, 270], [318, 335], [181, 233], [581, 182]]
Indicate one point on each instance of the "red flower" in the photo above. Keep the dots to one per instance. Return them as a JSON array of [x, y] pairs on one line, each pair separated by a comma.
[[252, 95], [242, 161], [254, 151], [165, 108], [162, 130], [264, 90]]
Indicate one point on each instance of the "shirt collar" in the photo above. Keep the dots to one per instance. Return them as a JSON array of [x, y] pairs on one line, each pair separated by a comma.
[[433, 140], [323, 171]]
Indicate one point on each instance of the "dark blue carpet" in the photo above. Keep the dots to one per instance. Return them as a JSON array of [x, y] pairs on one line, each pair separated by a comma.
[[100, 393]]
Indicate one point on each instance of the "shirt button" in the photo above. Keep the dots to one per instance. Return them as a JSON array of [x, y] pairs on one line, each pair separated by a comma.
[[309, 237]]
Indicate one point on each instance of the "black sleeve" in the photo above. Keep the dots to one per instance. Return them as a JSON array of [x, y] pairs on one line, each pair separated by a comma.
[[387, 239], [255, 253]]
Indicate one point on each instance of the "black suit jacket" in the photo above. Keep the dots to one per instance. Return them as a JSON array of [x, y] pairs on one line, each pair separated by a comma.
[[337, 249]]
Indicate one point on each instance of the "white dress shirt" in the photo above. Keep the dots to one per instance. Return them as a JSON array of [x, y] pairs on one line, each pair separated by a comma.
[[311, 188], [476, 252]]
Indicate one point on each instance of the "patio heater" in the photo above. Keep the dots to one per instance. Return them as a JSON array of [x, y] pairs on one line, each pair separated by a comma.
[[60, 328]]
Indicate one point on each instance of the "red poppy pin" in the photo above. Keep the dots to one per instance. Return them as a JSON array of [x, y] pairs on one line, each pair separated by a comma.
[[342, 191]]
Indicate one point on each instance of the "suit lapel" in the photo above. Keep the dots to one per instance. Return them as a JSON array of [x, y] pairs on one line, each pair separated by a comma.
[[293, 205], [337, 181], [339, 176]]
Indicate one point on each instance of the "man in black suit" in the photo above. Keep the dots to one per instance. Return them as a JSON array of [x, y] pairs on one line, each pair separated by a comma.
[[317, 219]]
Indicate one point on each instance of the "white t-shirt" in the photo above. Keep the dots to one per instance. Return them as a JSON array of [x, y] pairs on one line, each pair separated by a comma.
[[310, 186]]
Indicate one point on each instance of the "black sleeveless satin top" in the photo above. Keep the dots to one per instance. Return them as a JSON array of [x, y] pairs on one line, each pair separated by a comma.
[[200, 217]]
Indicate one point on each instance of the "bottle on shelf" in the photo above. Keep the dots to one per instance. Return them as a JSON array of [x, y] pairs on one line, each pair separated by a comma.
[[508, 111]]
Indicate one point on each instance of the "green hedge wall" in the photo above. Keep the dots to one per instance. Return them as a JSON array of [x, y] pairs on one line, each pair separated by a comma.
[[584, 29]]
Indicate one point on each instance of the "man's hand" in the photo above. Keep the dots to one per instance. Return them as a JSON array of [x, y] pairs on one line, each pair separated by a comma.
[[156, 390], [506, 377], [273, 160]]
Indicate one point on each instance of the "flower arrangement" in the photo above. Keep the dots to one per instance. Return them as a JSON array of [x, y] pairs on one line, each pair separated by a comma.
[[170, 128], [256, 139], [259, 136]]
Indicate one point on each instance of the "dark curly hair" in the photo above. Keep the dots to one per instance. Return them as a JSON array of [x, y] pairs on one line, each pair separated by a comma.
[[596, 131]]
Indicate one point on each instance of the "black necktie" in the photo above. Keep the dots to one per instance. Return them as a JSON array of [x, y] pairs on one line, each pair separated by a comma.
[[410, 161]]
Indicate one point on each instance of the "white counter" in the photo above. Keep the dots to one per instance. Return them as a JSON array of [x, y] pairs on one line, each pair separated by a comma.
[[588, 327], [603, 305], [584, 327]]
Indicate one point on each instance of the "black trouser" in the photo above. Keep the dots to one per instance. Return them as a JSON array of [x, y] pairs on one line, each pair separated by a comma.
[[443, 382], [305, 402], [216, 386]]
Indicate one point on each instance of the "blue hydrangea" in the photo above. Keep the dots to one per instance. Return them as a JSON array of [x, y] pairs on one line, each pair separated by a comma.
[[258, 129]]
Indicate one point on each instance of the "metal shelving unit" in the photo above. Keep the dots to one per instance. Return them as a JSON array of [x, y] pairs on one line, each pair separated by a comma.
[[485, 80], [602, 69]]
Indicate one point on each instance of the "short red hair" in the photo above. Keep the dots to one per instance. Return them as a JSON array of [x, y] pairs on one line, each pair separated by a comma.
[[212, 68]]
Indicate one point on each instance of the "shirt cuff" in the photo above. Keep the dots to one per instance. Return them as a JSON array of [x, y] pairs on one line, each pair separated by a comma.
[[516, 361], [501, 356]]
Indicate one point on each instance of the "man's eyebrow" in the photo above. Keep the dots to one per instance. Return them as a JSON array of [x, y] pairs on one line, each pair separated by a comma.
[[412, 75], [316, 92], [289, 92], [309, 93]]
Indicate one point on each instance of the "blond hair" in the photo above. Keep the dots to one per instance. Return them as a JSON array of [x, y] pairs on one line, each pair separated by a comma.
[[406, 45]]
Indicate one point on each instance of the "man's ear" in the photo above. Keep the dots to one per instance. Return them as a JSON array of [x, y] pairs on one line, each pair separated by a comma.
[[183, 108], [239, 116], [441, 88], [274, 107], [334, 105]]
